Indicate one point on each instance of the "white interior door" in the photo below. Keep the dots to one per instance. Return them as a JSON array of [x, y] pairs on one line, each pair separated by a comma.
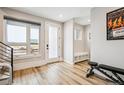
[[52, 42]]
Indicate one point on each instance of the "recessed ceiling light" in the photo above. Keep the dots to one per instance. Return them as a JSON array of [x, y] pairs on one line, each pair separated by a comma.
[[60, 15], [89, 20]]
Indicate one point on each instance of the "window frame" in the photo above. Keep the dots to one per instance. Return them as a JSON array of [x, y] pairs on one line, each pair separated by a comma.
[[27, 44]]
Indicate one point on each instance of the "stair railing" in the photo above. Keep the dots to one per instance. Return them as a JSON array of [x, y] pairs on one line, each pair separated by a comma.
[[6, 55]]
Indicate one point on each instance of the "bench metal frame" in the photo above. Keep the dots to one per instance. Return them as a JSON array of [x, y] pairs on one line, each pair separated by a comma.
[[115, 78]]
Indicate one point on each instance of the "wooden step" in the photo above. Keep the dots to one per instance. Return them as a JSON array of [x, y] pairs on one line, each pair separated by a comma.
[[4, 74], [2, 77]]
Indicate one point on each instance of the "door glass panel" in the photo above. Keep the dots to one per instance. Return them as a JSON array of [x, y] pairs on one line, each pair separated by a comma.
[[53, 42]]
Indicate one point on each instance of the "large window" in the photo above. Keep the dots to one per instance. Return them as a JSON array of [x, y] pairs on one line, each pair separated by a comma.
[[23, 37]]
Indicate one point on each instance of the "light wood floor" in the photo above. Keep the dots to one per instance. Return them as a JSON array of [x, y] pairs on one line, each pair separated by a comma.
[[57, 74]]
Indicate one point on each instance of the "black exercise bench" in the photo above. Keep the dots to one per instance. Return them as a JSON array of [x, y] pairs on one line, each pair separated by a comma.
[[103, 68]]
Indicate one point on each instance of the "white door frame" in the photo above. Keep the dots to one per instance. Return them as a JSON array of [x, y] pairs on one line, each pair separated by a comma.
[[46, 42]]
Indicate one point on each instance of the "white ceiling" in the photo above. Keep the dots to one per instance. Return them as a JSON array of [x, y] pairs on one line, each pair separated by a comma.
[[83, 20], [60, 14]]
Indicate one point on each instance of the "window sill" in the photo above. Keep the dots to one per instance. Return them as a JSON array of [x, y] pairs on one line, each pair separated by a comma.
[[26, 56]]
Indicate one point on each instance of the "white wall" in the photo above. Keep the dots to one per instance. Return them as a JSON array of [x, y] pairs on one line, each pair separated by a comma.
[[87, 30], [103, 51], [1, 24], [68, 41]]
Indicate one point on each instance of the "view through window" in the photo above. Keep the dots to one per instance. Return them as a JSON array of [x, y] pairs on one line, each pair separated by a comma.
[[34, 39]]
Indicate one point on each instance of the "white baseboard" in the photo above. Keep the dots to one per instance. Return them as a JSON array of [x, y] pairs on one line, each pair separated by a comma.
[[24, 65], [61, 59], [28, 63], [69, 62]]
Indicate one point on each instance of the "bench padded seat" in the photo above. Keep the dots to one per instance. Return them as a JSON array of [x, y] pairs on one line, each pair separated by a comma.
[[110, 68], [93, 63]]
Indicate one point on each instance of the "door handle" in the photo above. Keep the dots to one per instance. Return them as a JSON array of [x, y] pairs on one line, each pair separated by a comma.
[[47, 46]]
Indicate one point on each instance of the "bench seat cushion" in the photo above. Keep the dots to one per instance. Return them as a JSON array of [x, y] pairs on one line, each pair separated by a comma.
[[93, 63], [110, 68]]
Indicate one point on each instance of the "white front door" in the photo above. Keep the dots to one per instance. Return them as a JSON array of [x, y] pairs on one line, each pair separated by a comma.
[[52, 42]]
